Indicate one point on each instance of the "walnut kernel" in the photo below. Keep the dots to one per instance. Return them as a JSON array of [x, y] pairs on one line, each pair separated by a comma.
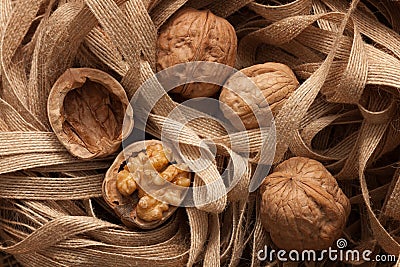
[[150, 209], [158, 156], [182, 179], [126, 183], [147, 167]]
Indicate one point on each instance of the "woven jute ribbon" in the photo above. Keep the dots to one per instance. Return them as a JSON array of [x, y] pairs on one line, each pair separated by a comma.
[[344, 114]]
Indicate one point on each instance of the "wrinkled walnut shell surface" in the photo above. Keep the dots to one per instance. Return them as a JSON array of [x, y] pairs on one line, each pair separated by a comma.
[[196, 35], [86, 109], [302, 205], [275, 81], [125, 206]]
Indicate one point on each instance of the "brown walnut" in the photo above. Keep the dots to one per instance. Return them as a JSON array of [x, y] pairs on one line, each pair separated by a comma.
[[196, 35], [275, 82], [145, 163], [86, 109], [302, 205]]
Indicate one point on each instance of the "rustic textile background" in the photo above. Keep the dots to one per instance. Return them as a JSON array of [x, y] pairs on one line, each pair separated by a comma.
[[345, 114]]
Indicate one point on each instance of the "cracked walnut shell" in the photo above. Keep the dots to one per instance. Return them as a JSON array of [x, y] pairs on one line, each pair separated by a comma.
[[86, 109], [141, 166], [275, 82], [196, 35], [302, 205]]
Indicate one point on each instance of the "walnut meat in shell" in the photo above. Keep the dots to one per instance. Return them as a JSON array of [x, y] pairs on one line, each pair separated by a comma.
[[86, 109], [302, 205], [196, 35], [275, 82], [145, 164]]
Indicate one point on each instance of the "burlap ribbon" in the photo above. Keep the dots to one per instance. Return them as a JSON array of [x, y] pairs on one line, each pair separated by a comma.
[[51, 213]]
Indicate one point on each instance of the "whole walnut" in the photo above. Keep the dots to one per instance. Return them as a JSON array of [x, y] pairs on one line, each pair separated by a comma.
[[302, 205], [196, 35], [275, 82]]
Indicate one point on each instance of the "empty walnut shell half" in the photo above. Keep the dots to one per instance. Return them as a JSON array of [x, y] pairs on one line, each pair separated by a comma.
[[86, 109], [302, 205], [196, 35], [275, 82], [134, 167]]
